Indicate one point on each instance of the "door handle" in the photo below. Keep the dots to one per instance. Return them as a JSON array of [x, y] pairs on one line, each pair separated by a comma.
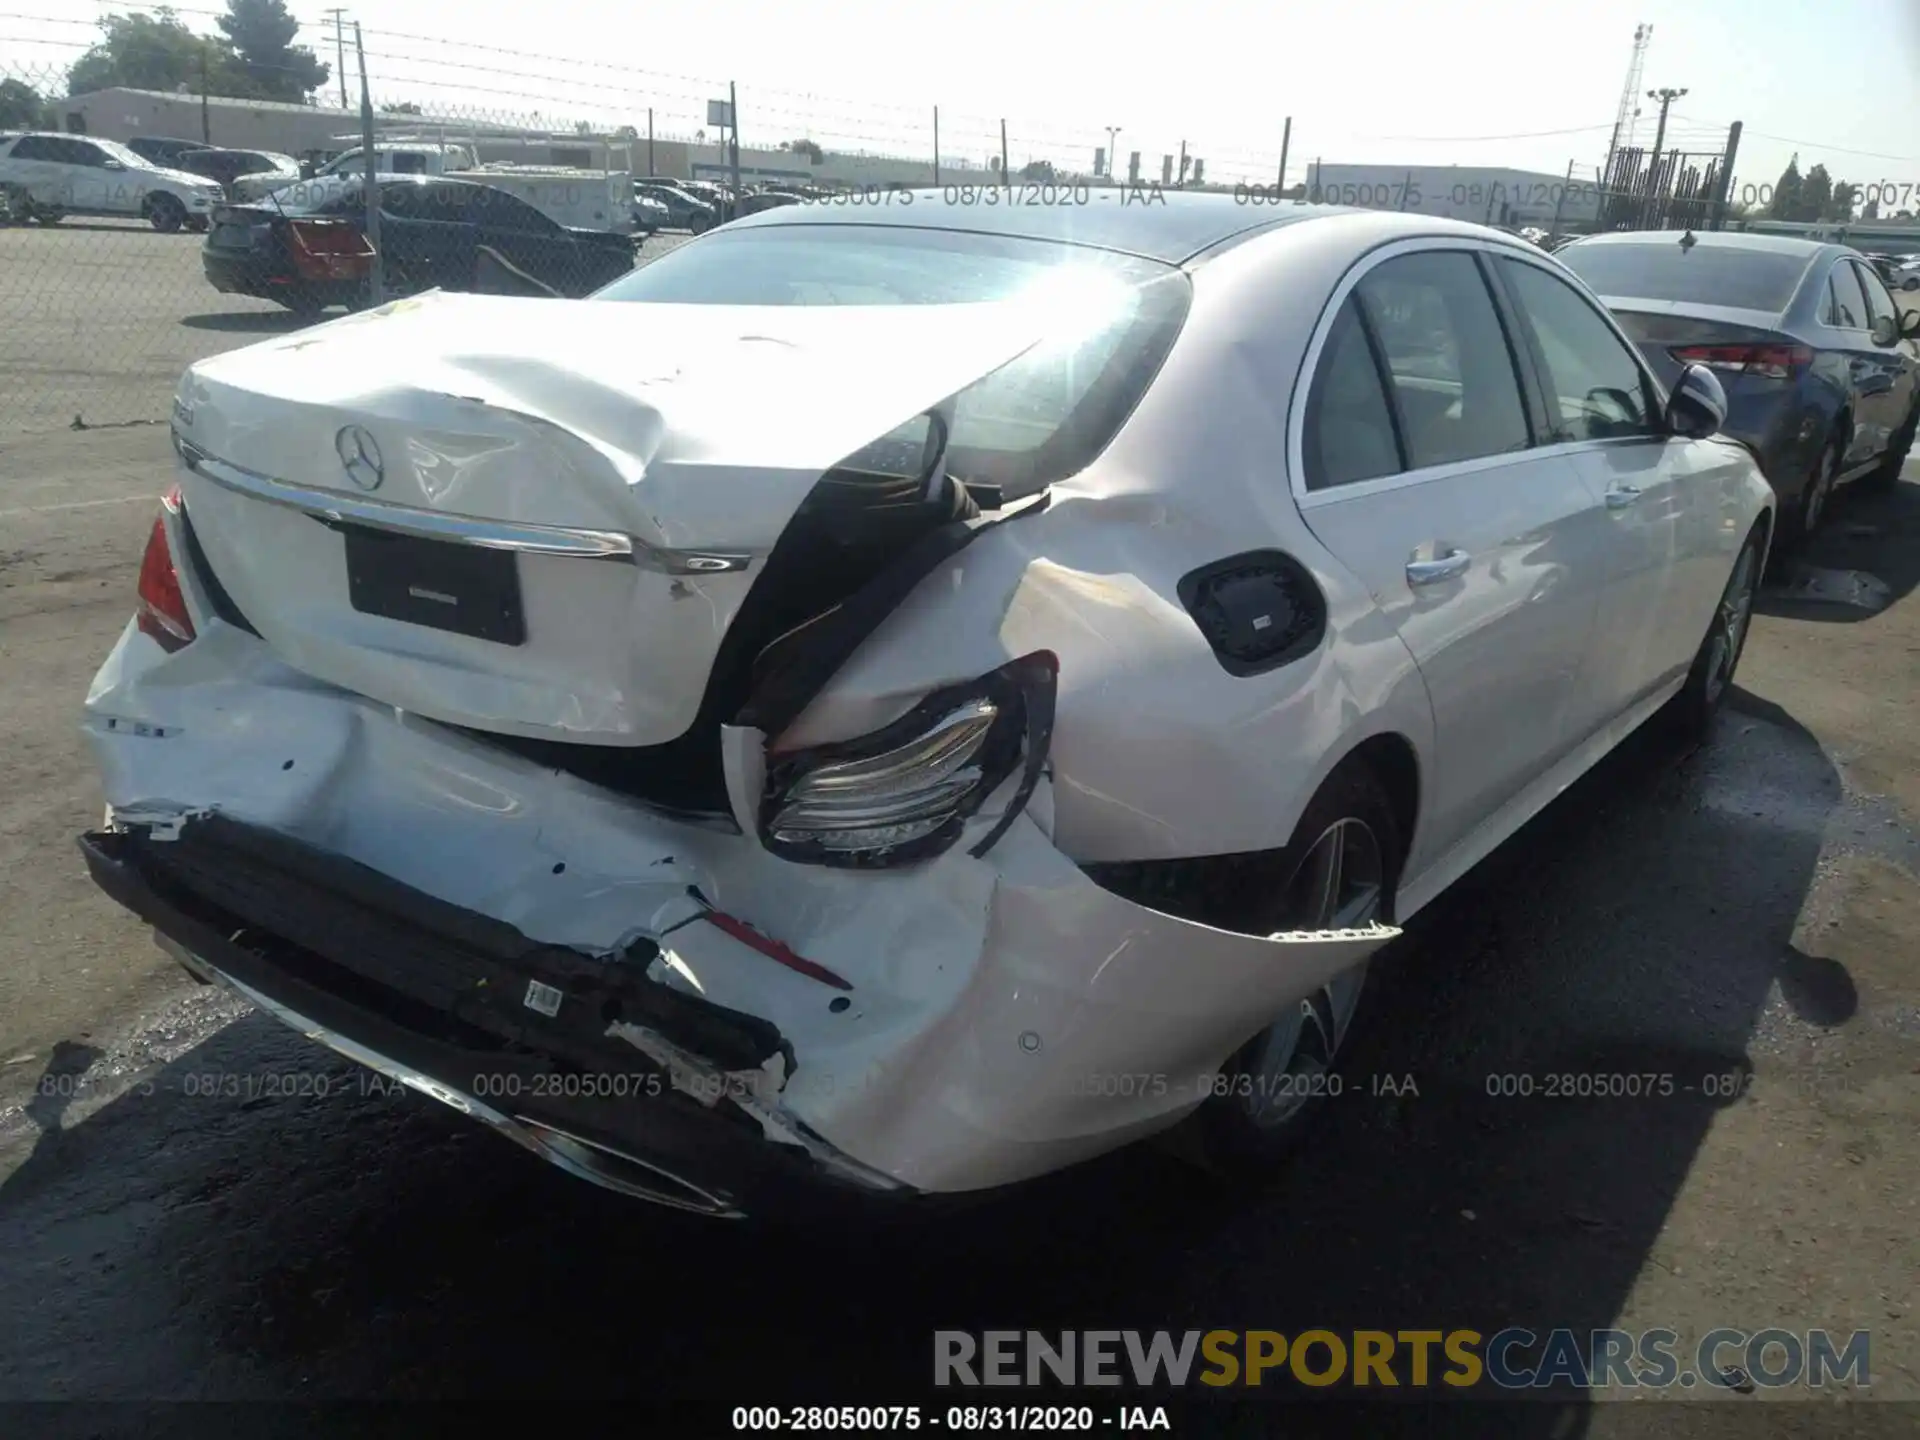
[[1622, 496], [1430, 572]]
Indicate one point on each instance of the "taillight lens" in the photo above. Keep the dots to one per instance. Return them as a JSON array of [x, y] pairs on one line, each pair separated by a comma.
[[163, 608], [329, 249], [905, 793], [1774, 362]]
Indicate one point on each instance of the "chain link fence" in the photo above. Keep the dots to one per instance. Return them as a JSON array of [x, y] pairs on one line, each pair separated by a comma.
[[143, 227]]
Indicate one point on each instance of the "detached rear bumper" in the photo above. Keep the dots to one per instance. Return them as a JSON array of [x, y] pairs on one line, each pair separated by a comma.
[[454, 1005]]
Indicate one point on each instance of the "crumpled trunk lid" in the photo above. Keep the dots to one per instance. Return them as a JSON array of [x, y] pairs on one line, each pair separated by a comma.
[[540, 518]]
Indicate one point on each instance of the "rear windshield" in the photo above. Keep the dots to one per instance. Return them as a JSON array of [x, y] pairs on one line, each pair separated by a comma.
[[1705, 274], [1036, 420]]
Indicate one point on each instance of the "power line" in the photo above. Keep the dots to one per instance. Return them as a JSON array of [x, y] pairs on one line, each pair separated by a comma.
[[1836, 149]]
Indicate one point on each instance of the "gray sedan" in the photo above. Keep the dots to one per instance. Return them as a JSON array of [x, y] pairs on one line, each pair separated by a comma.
[[1819, 364]]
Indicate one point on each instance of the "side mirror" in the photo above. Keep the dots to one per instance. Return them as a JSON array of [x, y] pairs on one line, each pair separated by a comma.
[[1909, 324], [1698, 406], [1886, 330]]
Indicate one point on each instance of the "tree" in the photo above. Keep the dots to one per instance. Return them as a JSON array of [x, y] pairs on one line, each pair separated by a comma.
[[401, 107], [626, 132], [261, 34], [155, 52], [1038, 170], [815, 155], [1872, 211], [1817, 195], [21, 107], [1845, 197], [1785, 204]]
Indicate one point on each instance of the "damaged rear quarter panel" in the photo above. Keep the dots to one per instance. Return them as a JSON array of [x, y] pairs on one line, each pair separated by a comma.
[[1158, 753]]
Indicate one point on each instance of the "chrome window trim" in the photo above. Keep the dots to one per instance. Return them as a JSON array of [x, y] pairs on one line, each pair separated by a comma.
[[566, 541], [1307, 499]]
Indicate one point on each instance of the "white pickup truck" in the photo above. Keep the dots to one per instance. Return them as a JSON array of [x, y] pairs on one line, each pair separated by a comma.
[[577, 199]]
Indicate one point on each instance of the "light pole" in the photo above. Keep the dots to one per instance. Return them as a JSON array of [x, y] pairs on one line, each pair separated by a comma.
[[1113, 136]]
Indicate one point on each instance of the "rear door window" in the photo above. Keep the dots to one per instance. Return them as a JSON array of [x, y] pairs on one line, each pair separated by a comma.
[[1880, 304], [1850, 310], [1455, 389], [1596, 388]]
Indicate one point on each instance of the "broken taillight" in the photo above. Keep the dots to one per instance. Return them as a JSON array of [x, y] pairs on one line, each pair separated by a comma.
[[329, 250], [163, 608]]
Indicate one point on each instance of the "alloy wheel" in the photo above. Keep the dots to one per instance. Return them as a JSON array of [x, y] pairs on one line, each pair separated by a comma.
[[1730, 635], [1819, 492], [1339, 885]]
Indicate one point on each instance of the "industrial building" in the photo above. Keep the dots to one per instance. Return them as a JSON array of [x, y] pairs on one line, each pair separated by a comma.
[[301, 130]]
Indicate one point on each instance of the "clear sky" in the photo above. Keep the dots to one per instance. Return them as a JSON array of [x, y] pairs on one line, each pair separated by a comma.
[[1527, 83]]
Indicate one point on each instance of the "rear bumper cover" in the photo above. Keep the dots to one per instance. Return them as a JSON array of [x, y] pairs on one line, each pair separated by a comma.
[[454, 1005], [1003, 1015]]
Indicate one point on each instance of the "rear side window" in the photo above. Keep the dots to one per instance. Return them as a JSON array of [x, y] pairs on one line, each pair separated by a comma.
[[1595, 384], [1455, 389], [1849, 299], [1349, 435], [1879, 304], [1726, 275]]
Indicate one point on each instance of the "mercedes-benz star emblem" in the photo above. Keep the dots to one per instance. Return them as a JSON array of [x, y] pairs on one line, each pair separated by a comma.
[[361, 457]]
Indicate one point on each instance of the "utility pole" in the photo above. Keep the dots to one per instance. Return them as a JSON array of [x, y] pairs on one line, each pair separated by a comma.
[[936, 147], [1006, 180], [206, 119], [733, 123], [651, 172], [1719, 219], [370, 179], [340, 53], [1181, 178], [1286, 141], [1666, 97], [1113, 135]]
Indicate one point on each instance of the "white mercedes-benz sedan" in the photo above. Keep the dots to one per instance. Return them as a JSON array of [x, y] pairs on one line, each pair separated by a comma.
[[898, 699]]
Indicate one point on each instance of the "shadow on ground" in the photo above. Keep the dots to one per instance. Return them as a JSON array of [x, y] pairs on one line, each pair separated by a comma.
[[270, 1222], [1865, 557], [250, 322]]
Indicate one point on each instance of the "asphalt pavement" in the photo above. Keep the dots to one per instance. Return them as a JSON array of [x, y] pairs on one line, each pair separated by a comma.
[[198, 1204]]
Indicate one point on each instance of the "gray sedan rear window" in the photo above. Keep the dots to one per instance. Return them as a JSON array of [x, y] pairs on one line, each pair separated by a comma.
[[1704, 275]]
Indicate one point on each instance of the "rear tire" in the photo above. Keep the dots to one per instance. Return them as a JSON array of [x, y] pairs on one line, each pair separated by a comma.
[[1887, 474], [1691, 712], [1276, 1086], [1810, 506], [165, 213]]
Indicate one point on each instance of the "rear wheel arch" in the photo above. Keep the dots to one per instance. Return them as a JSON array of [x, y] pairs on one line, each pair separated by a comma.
[[1392, 760], [1217, 890]]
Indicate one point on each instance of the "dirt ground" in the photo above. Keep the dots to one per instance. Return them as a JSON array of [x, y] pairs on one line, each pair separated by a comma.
[[1749, 910]]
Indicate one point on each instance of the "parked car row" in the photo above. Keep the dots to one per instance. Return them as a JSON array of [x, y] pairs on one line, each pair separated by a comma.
[[306, 247], [1114, 625], [1819, 363]]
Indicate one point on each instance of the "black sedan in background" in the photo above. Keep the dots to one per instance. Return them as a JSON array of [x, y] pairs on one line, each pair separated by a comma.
[[1819, 364], [305, 247]]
